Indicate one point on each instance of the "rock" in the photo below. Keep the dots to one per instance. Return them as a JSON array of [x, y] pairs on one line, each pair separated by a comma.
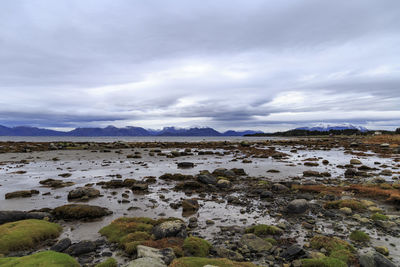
[[21, 193], [61, 245], [164, 255], [371, 258], [386, 172], [311, 174], [349, 173], [297, 206], [222, 183], [146, 262], [185, 165], [81, 247], [175, 228], [83, 193], [80, 212], [207, 179], [266, 194], [279, 187], [384, 145], [346, 211], [293, 252], [382, 250], [140, 187], [230, 254], [113, 184], [190, 205], [52, 183], [255, 243], [355, 162], [15, 215]]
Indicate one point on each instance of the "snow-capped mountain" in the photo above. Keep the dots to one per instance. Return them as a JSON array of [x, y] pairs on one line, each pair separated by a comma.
[[324, 127]]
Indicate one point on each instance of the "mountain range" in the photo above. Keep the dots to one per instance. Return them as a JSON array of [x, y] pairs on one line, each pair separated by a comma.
[[322, 127], [166, 131], [114, 131]]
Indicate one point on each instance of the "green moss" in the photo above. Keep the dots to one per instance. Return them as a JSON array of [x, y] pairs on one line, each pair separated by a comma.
[[345, 203], [271, 240], [336, 248], [195, 246], [110, 262], [359, 236], [121, 227], [323, 262], [26, 234], [379, 217], [264, 230], [41, 259], [196, 261], [131, 232]]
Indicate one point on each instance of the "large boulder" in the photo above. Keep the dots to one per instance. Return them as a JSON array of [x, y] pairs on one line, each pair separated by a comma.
[[80, 212], [83, 193], [297, 206], [16, 215], [372, 258], [175, 228]]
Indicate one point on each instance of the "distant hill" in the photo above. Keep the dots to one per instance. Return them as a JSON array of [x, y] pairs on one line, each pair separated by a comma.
[[338, 127], [114, 131]]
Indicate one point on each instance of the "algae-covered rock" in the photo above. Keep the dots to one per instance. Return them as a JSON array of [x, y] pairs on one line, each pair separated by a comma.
[[83, 193], [195, 246], [110, 262], [80, 212], [26, 234], [255, 243], [21, 193], [45, 259]]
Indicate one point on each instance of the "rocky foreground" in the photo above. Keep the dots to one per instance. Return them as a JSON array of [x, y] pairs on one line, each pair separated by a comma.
[[295, 202]]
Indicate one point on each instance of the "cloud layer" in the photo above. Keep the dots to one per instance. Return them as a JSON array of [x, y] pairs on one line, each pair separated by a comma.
[[255, 64]]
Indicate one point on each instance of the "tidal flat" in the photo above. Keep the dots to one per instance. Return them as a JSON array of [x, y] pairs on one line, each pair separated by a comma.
[[283, 202]]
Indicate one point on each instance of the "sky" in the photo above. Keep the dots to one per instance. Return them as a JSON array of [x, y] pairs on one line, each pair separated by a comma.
[[228, 64]]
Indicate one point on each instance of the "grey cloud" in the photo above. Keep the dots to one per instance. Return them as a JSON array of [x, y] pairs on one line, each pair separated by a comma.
[[224, 63]]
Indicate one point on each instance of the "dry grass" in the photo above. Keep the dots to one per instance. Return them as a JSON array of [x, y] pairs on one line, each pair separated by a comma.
[[393, 140], [389, 192]]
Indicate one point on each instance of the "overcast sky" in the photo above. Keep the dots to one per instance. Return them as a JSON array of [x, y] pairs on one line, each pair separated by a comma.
[[248, 64]]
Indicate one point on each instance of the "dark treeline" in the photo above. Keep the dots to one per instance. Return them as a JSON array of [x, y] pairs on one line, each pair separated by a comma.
[[298, 132]]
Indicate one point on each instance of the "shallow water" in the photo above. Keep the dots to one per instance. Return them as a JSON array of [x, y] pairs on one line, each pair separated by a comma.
[[92, 167]]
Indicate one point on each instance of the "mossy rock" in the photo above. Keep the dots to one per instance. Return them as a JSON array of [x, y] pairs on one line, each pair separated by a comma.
[[379, 217], [336, 248], [45, 259], [110, 262], [195, 246], [323, 262], [129, 232], [263, 230], [26, 234], [359, 236], [345, 203], [80, 212], [198, 261]]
